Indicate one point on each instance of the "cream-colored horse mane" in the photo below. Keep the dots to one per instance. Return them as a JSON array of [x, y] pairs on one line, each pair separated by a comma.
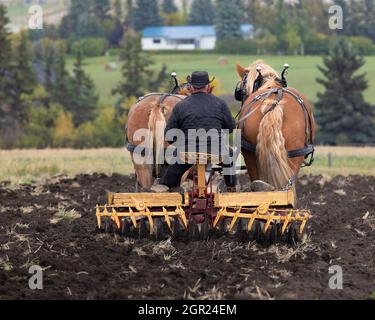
[[268, 73]]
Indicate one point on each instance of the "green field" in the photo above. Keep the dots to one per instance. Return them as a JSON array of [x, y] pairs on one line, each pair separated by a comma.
[[26, 166], [302, 75]]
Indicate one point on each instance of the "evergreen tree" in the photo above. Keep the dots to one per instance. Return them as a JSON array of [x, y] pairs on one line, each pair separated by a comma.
[[5, 74], [5, 56], [136, 70], [23, 79], [369, 18], [138, 78], [70, 23], [102, 9], [84, 98], [129, 23], [161, 80], [169, 7], [228, 20], [45, 52], [61, 86], [118, 30], [81, 22], [146, 14], [342, 114], [202, 13]]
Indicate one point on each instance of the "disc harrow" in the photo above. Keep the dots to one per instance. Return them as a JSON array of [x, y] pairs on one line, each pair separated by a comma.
[[267, 217]]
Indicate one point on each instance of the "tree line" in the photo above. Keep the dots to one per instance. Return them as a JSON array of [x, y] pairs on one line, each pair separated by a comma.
[[280, 27], [43, 104]]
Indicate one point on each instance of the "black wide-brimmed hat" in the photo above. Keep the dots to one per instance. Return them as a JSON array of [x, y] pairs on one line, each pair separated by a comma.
[[199, 79]]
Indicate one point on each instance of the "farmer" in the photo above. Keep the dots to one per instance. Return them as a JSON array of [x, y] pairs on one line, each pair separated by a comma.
[[200, 111]]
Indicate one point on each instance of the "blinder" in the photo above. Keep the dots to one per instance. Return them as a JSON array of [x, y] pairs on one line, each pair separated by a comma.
[[258, 82], [240, 93]]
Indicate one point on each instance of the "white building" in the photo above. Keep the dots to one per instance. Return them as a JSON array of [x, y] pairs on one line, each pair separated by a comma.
[[185, 37]]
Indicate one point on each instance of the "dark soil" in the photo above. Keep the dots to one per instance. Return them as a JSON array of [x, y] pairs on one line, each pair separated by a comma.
[[83, 264]]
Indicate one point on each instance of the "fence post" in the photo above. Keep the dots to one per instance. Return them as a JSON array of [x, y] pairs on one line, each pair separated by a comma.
[[330, 160]]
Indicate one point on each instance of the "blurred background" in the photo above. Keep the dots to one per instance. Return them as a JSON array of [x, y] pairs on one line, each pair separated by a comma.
[[71, 69]]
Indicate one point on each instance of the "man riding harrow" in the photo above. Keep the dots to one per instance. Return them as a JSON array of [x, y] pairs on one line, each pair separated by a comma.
[[268, 216]]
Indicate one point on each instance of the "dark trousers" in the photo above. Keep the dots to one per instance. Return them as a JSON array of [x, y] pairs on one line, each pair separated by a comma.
[[173, 175]]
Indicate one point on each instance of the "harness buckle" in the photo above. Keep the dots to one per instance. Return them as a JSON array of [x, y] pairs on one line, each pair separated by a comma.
[[291, 182]]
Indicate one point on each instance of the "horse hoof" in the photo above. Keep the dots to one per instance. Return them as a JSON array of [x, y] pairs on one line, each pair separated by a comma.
[[261, 186]]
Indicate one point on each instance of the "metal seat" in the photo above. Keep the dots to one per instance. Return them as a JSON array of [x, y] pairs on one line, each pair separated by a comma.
[[200, 158]]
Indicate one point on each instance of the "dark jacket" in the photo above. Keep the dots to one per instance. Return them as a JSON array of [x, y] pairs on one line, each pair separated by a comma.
[[201, 111]]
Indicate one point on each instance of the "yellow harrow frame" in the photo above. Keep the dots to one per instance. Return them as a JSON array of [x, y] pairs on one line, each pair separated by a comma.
[[269, 208], [145, 205], [262, 206]]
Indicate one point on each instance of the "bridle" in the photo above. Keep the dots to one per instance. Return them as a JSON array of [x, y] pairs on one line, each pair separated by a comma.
[[241, 93], [177, 86]]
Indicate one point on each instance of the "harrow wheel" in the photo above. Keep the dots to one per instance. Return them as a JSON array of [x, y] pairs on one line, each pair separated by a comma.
[[276, 234], [143, 231], [223, 227], [109, 227], [176, 229], [292, 235], [273, 234], [193, 232], [205, 229], [256, 232], [125, 228], [241, 233], [160, 230]]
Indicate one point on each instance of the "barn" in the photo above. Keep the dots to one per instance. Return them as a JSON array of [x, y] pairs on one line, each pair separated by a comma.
[[185, 37]]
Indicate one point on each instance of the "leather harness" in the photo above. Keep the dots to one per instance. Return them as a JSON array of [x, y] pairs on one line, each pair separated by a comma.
[[143, 151], [308, 150]]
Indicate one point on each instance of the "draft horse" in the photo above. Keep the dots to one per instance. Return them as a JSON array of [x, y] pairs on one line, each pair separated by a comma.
[[148, 111], [277, 123], [152, 112]]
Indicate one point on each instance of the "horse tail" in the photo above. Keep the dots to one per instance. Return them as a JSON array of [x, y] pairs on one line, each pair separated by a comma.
[[156, 125], [272, 156]]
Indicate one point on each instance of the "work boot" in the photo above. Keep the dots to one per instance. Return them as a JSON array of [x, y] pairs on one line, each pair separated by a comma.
[[231, 189], [160, 188], [261, 186]]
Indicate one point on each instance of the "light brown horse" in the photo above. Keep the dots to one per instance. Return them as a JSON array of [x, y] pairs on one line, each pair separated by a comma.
[[278, 128], [149, 111], [152, 112]]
